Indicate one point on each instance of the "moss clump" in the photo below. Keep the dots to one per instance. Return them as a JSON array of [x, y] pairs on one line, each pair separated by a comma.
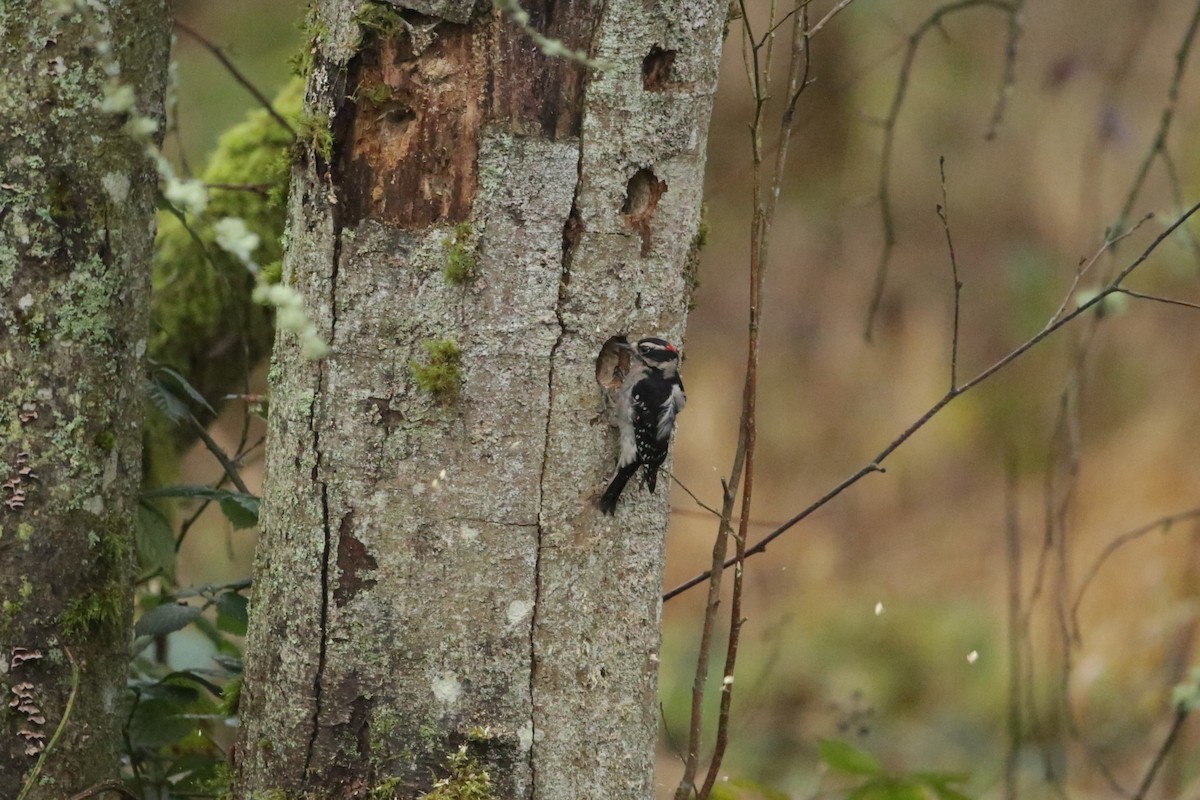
[[105, 440], [385, 790], [269, 794], [272, 273], [106, 607], [231, 697], [374, 92], [461, 266], [467, 780], [313, 130], [92, 613], [315, 32], [380, 19], [442, 375]]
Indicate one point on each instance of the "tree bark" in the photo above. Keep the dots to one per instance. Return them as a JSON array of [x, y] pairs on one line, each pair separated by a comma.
[[77, 198], [433, 571]]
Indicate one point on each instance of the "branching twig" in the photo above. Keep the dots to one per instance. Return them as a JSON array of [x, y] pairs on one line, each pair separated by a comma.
[[1161, 524], [1158, 146], [1009, 79], [765, 199], [875, 465], [883, 195], [237, 75]]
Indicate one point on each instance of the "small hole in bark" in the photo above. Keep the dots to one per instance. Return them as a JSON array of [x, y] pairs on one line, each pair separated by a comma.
[[612, 362], [642, 193], [656, 69], [641, 198], [401, 115]]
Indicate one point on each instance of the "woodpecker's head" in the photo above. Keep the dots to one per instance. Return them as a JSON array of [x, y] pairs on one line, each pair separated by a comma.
[[658, 353]]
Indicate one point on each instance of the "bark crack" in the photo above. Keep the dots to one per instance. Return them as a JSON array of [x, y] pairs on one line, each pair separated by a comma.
[[326, 527], [570, 231]]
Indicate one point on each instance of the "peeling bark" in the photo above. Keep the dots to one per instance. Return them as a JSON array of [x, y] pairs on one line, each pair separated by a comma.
[[76, 228], [437, 574]]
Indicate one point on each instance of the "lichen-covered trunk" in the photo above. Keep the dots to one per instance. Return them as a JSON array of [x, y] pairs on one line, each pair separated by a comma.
[[76, 228], [437, 596]]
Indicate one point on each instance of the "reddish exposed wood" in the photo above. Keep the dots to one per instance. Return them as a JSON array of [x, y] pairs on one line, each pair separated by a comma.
[[408, 135], [535, 94], [353, 558]]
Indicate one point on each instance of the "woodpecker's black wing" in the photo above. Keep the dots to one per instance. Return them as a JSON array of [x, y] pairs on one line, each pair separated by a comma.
[[654, 407]]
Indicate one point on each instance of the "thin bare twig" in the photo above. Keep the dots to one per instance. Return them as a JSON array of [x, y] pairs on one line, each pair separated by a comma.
[[1181, 715], [815, 29], [114, 786], [257, 188], [698, 501], [943, 212], [1012, 538], [1171, 301], [219, 454], [875, 465], [236, 74]]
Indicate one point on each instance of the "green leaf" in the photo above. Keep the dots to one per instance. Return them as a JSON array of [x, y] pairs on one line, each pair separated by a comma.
[[181, 382], [229, 663], [183, 679], [177, 693], [158, 722], [165, 619], [155, 540], [193, 491], [241, 510], [847, 758], [885, 788], [941, 783], [944, 792], [171, 406], [232, 614], [744, 789]]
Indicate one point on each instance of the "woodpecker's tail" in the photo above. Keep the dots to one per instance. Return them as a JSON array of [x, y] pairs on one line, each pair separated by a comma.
[[608, 502], [650, 474]]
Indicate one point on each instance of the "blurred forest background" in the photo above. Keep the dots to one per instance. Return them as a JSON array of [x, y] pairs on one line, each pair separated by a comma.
[[883, 620]]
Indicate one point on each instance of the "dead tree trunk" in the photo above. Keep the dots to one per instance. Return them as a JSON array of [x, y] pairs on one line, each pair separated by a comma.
[[77, 198], [437, 594]]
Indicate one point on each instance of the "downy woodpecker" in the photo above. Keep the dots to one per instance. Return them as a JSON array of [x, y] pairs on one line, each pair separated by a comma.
[[650, 398]]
